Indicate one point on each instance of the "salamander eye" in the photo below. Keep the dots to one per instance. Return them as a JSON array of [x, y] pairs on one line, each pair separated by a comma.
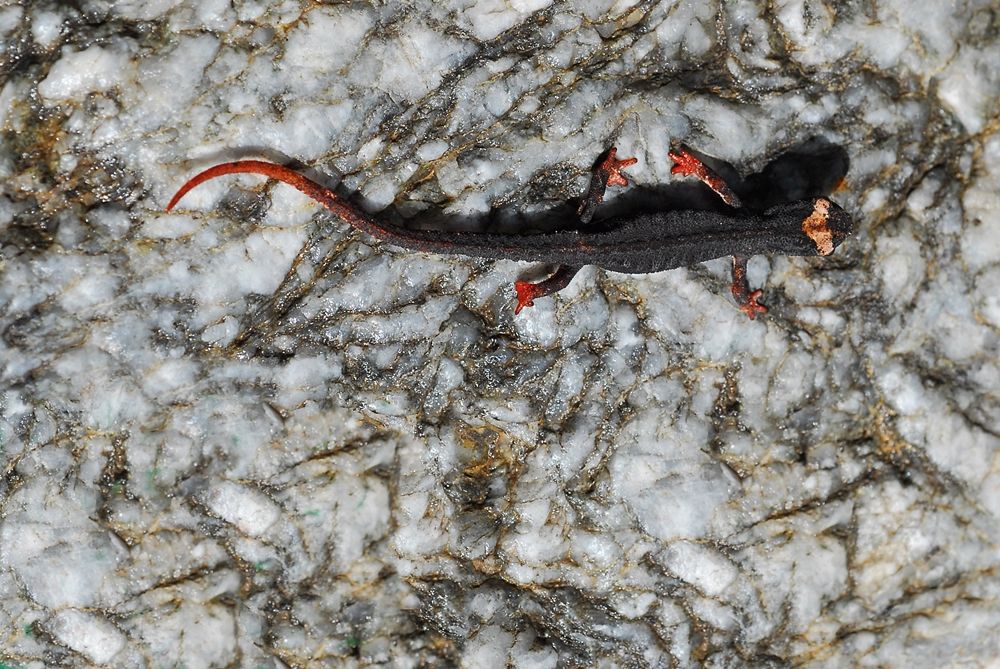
[[841, 223]]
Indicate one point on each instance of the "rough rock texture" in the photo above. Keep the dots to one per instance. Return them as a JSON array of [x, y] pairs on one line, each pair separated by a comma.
[[244, 435]]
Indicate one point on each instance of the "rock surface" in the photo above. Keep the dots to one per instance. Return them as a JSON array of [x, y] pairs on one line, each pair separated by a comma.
[[242, 434]]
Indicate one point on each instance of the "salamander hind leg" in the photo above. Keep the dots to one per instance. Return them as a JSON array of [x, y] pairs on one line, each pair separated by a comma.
[[686, 164], [527, 291], [745, 298], [607, 172]]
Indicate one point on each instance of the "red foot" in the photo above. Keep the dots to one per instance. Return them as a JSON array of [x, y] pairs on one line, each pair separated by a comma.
[[526, 294], [613, 167], [685, 164], [751, 307]]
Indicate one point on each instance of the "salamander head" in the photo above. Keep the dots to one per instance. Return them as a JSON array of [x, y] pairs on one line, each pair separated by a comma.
[[821, 224]]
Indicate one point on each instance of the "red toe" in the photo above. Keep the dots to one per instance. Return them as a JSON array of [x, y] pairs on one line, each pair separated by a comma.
[[751, 308], [684, 163], [613, 167], [526, 294]]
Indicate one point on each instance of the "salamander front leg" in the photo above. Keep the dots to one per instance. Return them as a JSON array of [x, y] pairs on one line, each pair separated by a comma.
[[686, 164], [607, 171], [745, 298]]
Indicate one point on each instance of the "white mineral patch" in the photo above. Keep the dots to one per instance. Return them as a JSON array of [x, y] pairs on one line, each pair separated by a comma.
[[981, 245], [414, 62], [700, 566], [488, 648], [249, 510], [46, 27], [9, 19], [93, 637], [59, 553], [673, 489], [77, 73], [492, 17]]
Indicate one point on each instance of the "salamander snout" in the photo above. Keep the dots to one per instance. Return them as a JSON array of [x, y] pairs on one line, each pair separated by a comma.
[[841, 224]]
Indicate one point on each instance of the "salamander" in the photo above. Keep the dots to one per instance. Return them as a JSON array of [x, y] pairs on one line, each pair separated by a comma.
[[634, 244]]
